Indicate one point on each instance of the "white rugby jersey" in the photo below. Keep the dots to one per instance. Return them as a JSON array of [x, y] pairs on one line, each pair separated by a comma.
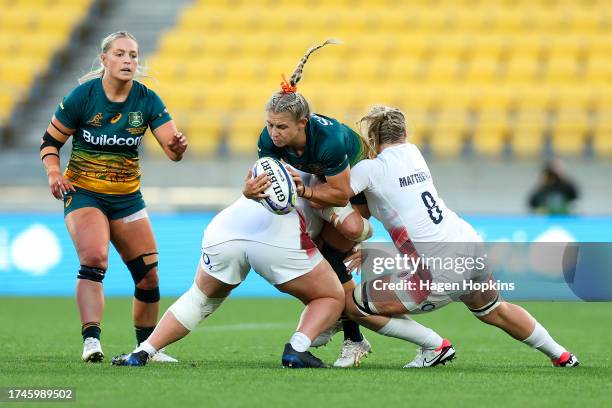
[[248, 220], [401, 194]]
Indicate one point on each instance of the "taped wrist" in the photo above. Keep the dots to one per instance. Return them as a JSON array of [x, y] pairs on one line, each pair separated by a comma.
[[341, 213]]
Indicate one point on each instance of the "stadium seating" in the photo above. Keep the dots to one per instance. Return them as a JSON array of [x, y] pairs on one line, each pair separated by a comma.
[[31, 31], [521, 76]]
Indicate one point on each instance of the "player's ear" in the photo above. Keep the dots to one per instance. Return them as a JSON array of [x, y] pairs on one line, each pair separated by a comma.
[[302, 122]]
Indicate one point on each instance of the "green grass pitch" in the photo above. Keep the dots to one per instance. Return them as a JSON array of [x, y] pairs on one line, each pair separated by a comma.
[[233, 359]]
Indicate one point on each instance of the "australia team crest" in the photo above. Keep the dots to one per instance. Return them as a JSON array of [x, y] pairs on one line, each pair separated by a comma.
[[135, 119]]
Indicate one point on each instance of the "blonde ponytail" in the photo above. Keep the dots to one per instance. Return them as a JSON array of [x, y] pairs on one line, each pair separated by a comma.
[[288, 99], [297, 73]]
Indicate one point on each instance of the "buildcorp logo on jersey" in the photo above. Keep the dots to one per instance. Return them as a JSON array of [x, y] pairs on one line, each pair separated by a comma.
[[106, 140]]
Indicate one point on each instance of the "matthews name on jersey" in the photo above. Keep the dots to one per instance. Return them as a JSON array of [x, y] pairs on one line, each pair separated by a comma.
[[401, 194], [331, 147], [105, 143]]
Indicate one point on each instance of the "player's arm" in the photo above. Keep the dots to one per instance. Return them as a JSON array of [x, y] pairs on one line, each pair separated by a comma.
[[335, 192], [52, 141], [352, 222], [173, 142], [337, 189], [361, 176]]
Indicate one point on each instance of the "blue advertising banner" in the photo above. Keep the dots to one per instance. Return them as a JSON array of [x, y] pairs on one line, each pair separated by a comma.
[[37, 257]]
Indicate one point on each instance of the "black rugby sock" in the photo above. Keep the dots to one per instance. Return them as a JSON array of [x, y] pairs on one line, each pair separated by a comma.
[[143, 333], [351, 330], [91, 329]]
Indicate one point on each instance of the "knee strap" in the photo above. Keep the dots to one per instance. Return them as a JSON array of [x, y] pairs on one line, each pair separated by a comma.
[[92, 274], [488, 308], [140, 266], [147, 295], [360, 297], [367, 231], [193, 307]]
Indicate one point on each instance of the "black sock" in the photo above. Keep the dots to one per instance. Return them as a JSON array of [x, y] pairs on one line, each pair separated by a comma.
[[91, 329], [351, 330], [335, 257], [143, 333]]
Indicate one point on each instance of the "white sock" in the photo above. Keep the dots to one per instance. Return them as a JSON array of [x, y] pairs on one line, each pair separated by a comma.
[[146, 346], [407, 329], [300, 342], [541, 340]]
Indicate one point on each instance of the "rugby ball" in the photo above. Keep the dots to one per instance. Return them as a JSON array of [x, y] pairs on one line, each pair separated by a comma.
[[281, 192]]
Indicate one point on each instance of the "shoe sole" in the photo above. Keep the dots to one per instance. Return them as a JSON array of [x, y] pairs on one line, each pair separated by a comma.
[[95, 357], [576, 364], [303, 368], [291, 366], [162, 361], [446, 357]]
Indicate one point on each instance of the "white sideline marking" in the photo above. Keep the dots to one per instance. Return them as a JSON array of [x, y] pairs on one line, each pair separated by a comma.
[[244, 326]]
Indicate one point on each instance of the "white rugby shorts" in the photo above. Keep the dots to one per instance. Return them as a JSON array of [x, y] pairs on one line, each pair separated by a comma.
[[231, 261]]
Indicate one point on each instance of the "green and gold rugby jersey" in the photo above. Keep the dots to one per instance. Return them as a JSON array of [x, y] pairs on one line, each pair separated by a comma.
[[331, 147], [105, 144]]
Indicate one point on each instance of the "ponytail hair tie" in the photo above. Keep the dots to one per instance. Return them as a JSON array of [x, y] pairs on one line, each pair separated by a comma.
[[286, 87]]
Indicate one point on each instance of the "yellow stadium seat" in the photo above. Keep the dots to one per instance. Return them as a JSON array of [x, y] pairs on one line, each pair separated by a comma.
[[204, 135], [598, 71], [527, 139], [561, 71], [521, 71], [243, 136], [226, 56], [31, 31], [602, 144], [569, 139], [481, 71], [490, 140], [448, 135], [568, 144], [602, 138], [582, 20], [445, 145], [442, 70], [576, 98]]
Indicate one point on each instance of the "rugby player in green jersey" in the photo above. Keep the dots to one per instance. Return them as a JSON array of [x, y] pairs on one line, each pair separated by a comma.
[[325, 150], [107, 116]]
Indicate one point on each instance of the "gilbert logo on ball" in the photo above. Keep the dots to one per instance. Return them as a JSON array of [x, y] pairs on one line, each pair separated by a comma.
[[281, 193]]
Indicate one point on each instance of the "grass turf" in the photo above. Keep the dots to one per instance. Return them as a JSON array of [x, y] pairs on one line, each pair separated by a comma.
[[233, 359]]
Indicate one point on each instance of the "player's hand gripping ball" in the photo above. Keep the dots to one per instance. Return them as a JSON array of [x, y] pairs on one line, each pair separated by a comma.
[[282, 192]]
